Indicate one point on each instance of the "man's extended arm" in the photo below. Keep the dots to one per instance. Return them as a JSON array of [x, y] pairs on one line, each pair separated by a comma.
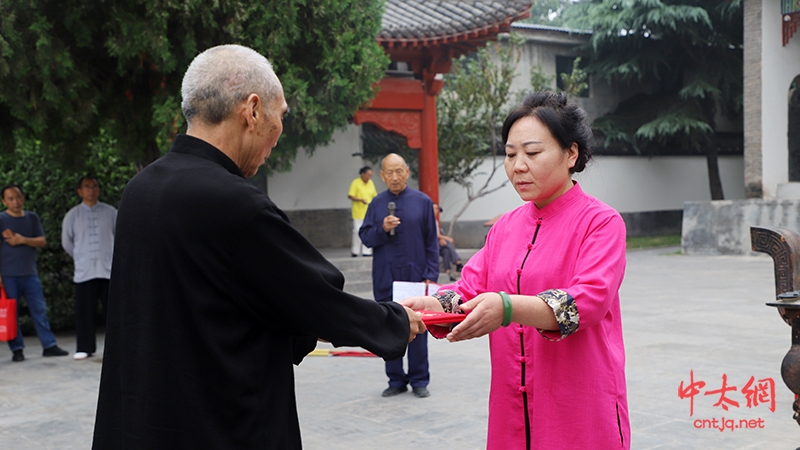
[[303, 294]]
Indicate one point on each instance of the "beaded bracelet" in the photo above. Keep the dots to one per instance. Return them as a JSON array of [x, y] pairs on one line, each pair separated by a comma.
[[506, 308]]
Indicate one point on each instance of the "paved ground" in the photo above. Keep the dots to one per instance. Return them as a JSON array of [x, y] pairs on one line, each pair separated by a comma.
[[682, 314]]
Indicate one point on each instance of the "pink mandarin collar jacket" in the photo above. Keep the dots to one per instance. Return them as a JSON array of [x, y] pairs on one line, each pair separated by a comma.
[[566, 388]]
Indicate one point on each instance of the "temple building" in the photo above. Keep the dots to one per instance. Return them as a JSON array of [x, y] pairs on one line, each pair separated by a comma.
[[771, 137], [422, 38], [655, 195]]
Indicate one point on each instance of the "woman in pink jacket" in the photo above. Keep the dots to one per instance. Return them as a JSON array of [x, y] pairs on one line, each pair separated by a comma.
[[545, 288]]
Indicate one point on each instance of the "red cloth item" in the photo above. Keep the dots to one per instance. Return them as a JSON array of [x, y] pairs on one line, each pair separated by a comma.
[[8, 317], [351, 353], [437, 318]]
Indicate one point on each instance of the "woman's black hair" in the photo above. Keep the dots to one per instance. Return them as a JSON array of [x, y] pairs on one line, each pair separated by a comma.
[[567, 122], [364, 169]]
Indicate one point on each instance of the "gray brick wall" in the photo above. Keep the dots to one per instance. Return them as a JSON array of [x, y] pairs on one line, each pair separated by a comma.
[[752, 99], [330, 228], [472, 234]]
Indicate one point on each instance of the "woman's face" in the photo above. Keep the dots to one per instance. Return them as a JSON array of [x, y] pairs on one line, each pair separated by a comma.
[[536, 164]]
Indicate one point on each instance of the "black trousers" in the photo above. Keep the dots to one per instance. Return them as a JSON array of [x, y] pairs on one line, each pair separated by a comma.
[[86, 296]]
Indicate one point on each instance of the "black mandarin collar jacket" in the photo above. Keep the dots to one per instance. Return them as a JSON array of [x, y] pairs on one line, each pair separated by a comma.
[[213, 296]]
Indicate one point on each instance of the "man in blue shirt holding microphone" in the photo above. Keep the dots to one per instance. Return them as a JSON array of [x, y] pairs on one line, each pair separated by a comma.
[[401, 230]]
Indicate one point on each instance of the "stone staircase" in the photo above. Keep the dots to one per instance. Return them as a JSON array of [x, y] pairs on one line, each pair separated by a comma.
[[358, 271], [357, 274]]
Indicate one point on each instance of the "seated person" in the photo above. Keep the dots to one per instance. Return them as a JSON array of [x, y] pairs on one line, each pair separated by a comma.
[[446, 248]]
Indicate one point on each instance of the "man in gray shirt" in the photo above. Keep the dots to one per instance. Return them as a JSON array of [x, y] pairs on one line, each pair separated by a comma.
[[87, 234]]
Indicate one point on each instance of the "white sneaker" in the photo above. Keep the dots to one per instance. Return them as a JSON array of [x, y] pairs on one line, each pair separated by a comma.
[[80, 355]]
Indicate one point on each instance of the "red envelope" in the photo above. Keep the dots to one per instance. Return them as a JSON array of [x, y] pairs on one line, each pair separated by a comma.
[[438, 318]]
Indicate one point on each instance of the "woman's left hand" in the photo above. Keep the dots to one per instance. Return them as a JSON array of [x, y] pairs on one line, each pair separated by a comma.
[[486, 316]]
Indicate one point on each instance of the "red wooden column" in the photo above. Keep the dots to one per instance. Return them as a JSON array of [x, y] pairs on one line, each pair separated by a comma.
[[408, 107], [429, 153]]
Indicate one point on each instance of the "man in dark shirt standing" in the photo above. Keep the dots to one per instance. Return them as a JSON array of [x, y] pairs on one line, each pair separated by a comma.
[[22, 235], [405, 247], [213, 293]]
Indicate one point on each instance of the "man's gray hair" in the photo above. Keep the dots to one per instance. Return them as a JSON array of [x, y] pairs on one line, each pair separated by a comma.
[[221, 77]]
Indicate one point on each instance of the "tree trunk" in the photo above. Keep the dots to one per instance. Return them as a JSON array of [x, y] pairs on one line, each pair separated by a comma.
[[714, 180]]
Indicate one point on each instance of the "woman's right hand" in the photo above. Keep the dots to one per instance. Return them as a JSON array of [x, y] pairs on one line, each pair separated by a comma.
[[486, 316]]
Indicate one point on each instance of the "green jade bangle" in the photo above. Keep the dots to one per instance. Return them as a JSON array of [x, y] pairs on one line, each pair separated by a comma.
[[507, 312]]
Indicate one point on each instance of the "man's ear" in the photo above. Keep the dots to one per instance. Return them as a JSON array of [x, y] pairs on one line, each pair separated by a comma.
[[249, 110], [254, 109]]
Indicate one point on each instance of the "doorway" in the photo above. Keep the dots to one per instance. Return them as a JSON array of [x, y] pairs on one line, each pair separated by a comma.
[[794, 130]]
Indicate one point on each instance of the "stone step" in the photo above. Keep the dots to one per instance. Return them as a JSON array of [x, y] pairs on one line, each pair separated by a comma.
[[357, 276], [358, 286], [346, 264], [364, 288], [358, 273], [363, 294]]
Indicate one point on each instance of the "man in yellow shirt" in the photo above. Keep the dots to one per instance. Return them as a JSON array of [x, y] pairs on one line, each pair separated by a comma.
[[362, 191]]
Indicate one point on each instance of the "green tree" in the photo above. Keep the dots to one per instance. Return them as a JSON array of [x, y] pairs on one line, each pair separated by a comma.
[[688, 52], [69, 70], [50, 190], [471, 108], [575, 81], [540, 81], [549, 13]]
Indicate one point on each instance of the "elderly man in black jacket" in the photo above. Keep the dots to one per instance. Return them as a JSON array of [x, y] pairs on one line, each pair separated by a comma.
[[213, 293]]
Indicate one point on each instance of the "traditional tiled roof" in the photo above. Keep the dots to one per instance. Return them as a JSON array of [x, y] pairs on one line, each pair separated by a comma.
[[426, 22], [531, 26]]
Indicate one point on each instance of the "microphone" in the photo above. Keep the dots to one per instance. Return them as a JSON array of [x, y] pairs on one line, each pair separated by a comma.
[[392, 210]]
